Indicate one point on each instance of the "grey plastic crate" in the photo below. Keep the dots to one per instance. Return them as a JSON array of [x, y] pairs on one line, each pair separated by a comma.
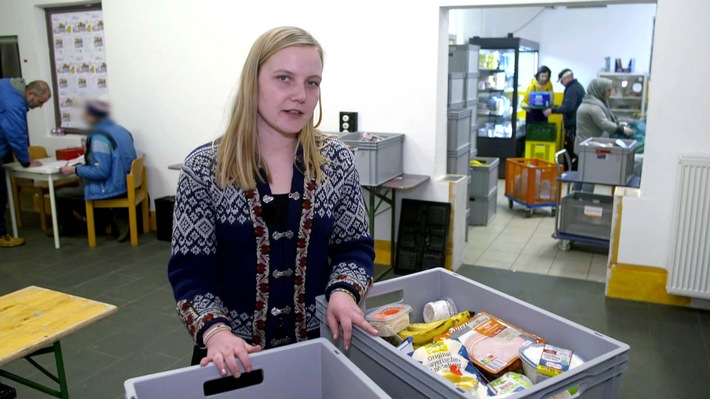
[[483, 208], [458, 131], [377, 161], [614, 165], [327, 374], [587, 215], [463, 58], [457, 161], [484, 178], [470, 88], [457, 90], [402, 377]]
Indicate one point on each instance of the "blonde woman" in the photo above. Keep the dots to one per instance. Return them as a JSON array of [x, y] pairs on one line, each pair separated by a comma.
[[269, 216]]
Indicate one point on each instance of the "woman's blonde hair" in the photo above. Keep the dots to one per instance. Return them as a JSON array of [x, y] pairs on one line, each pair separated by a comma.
[[238, 159]]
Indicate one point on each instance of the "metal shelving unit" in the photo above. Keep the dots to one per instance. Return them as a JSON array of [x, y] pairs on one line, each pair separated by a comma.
[[629, 94]]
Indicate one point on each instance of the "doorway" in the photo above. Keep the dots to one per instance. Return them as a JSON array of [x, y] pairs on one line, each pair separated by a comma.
[[10, 66]]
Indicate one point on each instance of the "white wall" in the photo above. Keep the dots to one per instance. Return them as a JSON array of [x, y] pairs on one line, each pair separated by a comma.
[[577, 38], [675, 126], [173, 66], [24, 19], [580, 38]]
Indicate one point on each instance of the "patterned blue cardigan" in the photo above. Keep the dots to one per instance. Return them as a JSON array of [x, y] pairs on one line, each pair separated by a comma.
[[228, 265]]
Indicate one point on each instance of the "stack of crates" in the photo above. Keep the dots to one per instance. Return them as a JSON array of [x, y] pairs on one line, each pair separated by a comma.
[[458, 148], [541, 141], [483, 190]]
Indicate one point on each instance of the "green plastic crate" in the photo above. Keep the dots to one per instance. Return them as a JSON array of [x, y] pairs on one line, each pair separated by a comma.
[[541, 132]]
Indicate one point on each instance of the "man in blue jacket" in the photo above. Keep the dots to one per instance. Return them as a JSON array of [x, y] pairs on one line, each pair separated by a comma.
[[574, 92], [109, 154], [16, 98]]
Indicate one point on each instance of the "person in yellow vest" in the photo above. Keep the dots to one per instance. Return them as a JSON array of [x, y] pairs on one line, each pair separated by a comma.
[[540, 83]]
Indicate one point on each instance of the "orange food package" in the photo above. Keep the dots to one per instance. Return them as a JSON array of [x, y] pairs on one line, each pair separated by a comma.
[[493, 344]]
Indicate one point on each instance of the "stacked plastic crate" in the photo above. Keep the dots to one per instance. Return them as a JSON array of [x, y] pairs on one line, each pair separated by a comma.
[[483, 190], [462, 99], [541, 141]]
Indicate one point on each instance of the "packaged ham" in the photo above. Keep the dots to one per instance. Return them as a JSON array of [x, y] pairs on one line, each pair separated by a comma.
[[493, 344]]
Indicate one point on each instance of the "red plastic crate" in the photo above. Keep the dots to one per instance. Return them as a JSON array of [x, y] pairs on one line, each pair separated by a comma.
[[531, 181]]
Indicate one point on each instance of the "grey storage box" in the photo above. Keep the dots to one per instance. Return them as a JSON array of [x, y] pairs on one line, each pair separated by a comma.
[[484, 178], [308, 370], [403, 377], [471, 89], [483, 208], [377, 161], [458, 130], [457, 90], [606, 165], [587, 215], [463, 58], [457, 161]]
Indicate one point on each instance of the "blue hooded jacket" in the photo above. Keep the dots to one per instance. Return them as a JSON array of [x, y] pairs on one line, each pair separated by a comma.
[[13, 123], [109, 154]]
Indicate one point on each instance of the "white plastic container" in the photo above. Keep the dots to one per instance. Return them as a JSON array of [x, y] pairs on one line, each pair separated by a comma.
[[531, 357], [390, 319]]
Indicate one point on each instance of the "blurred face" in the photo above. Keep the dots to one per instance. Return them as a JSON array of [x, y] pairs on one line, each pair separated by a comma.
[[289, 88], [607, 93], [543, 78], [36, 101], [90, 119], [567, 79]]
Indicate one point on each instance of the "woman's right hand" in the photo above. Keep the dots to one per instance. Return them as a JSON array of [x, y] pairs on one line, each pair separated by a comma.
[[628, 131], [224, 348]]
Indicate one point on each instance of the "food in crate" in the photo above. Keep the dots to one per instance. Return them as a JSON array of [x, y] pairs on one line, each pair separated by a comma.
[[509, 383], [424, 333], [390, 319], [493, 344], [449, 359], [365, 136], [479, 353]]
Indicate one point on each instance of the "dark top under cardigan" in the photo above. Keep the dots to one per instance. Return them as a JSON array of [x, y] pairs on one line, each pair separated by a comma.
[[213, 266]]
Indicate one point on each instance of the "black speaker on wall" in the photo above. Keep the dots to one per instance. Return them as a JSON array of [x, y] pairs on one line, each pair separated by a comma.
[[348, 121]]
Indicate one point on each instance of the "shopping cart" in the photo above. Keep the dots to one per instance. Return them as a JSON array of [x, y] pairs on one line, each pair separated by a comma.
[[532, 183]]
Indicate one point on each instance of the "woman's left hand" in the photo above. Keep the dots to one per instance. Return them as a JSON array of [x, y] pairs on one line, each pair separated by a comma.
[[343, 313]]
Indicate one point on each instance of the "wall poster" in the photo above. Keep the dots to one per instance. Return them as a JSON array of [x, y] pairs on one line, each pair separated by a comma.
[[78, 58]]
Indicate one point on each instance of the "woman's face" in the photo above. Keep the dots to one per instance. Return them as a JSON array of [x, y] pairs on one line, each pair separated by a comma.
[[289, 88], [542, 78], [607, 93]]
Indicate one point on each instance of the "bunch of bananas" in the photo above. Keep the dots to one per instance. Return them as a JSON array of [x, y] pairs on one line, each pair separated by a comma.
[[424, 333]]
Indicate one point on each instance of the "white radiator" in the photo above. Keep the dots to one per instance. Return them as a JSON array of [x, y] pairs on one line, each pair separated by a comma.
[[689, 270]]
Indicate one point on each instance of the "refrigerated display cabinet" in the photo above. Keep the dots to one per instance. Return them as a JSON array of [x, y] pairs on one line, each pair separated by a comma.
[[505, 68]]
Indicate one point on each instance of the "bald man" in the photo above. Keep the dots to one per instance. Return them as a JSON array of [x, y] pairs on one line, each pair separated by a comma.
[[16, 99]]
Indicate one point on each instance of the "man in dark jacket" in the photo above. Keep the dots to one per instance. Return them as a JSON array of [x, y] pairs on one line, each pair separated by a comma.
[[574, 92], [16, 98], [109, 154]]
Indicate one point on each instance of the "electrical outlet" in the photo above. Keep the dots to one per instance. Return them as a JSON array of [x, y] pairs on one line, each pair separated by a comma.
[[348, 122]]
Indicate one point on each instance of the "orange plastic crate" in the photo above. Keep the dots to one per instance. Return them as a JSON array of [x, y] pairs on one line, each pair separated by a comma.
[[531, 181]]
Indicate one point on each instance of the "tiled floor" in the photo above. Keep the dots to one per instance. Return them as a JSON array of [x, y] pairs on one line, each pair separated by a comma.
[[513, 241], [669, 346]]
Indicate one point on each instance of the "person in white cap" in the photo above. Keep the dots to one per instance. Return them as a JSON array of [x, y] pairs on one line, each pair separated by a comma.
[[109, 153], [574, 92]]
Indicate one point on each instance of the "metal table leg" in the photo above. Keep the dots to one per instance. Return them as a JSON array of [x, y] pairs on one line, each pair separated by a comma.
[[60, 378], [11, 202], [53, 205], [393, 241]]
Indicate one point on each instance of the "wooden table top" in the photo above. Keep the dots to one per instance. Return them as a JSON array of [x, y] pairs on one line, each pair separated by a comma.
[[34, 318]]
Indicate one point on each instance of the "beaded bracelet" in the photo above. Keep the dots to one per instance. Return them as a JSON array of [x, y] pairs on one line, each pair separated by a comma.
[[209, 334], [345, 291]]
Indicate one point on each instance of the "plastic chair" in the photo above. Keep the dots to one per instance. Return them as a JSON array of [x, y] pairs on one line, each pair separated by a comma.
[[137, 183], [38, 188]]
